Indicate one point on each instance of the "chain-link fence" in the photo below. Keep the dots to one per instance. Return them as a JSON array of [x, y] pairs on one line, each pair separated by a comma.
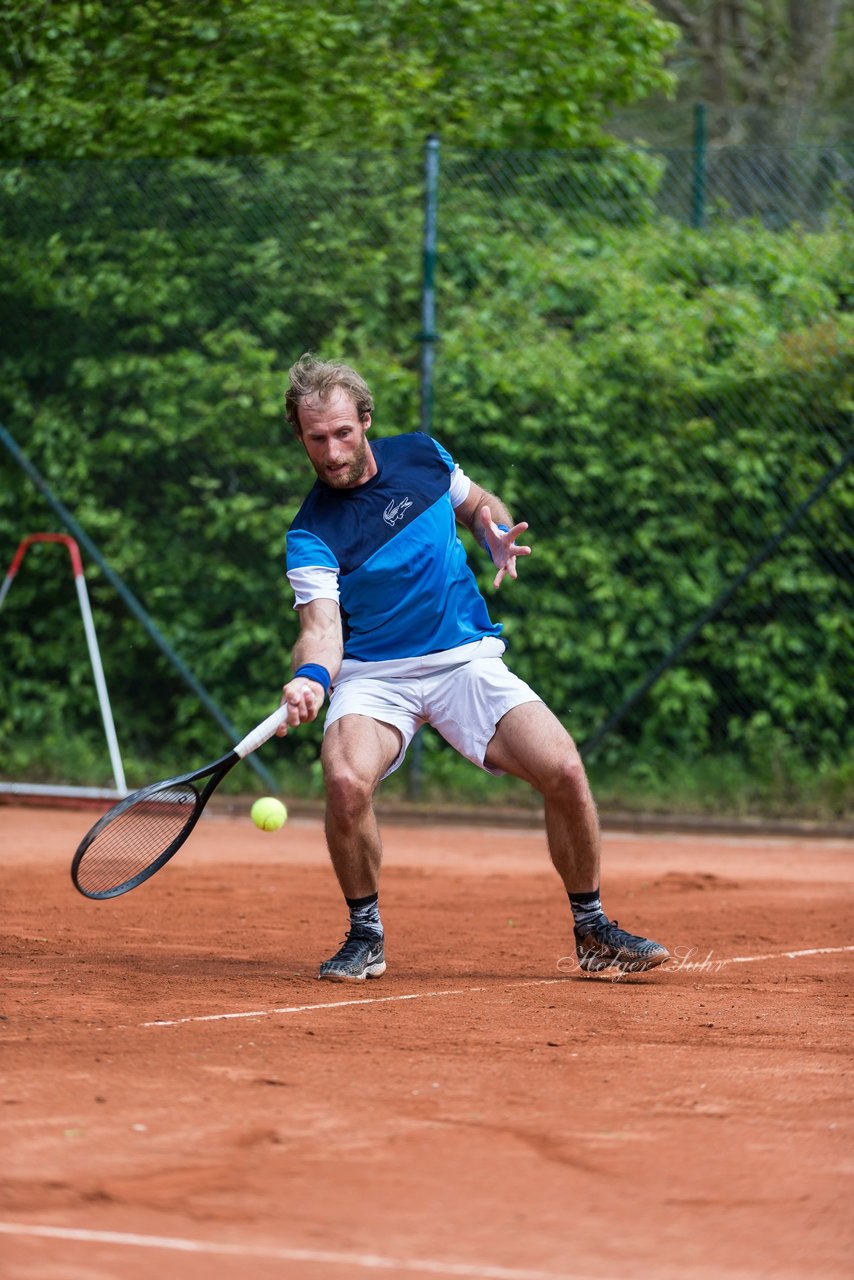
[[649, 355]]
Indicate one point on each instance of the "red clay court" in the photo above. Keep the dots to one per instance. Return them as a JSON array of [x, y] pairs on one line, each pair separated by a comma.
[[182, 1097]]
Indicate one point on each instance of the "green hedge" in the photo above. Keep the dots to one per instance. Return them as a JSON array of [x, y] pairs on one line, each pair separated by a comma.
[[655, 401]]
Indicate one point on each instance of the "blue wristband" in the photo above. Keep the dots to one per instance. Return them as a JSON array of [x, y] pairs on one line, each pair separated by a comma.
[[313, 671]]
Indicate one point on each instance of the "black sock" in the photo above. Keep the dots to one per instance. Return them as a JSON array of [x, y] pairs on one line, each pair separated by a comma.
[[586, 909], [365, 914]]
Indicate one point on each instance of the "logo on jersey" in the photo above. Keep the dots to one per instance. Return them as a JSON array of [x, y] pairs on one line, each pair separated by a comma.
[[395, 511]]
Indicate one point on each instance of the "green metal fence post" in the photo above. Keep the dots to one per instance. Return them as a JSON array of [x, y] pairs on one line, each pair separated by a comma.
[[428, 334], [427, 337], [698, 191]]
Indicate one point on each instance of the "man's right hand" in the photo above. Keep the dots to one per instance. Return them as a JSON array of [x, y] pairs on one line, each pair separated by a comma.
[[303, 698]]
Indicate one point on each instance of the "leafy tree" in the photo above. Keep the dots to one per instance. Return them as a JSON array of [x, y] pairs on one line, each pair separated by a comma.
[[226, 77], [763, 63]]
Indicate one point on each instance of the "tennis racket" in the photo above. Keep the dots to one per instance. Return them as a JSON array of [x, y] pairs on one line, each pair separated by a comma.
[[141, 833]]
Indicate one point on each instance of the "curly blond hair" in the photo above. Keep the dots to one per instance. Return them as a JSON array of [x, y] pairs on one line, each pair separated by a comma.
[[313, 377]]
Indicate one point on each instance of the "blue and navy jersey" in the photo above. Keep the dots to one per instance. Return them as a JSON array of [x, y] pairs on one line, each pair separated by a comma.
[[405, 588]]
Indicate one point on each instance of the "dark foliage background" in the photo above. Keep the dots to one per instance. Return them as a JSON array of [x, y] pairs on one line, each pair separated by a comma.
[[655, 399]]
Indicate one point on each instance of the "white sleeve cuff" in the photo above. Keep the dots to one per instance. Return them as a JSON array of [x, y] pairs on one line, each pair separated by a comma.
[[314, 582], [460, 486]]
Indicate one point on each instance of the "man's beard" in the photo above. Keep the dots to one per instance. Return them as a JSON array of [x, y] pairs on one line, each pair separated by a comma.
[[350, 475]]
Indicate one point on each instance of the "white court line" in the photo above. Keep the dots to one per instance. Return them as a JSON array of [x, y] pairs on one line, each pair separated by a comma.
[[679, 964], [366, 1261], [338, 1004], [789, 955]]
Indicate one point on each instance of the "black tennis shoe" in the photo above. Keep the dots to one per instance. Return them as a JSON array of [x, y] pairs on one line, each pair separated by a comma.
[[603, 945], [362, 955]]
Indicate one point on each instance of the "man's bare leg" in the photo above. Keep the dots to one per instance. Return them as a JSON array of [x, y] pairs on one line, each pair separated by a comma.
[[356, 753], [530, 743]]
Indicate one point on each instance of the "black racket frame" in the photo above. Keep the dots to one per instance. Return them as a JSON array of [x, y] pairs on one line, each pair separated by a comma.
[[217, 772]]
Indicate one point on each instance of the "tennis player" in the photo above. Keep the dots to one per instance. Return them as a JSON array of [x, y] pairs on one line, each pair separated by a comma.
[[394, 628]]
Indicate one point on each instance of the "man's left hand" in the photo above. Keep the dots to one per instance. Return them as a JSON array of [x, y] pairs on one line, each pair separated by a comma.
[[501, 545]]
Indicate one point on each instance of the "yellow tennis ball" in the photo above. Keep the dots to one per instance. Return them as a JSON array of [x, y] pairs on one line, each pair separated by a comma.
[[269, 814]]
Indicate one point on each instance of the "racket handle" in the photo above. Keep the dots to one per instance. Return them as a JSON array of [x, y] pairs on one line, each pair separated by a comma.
[[261, 733]]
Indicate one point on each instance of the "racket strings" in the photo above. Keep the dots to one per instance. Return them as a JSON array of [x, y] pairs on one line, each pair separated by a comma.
[[133, 840]]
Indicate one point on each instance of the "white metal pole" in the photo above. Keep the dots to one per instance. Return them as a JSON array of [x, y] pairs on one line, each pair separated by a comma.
[[100, 683]]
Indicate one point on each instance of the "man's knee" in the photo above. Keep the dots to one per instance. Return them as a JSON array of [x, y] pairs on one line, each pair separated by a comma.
[[567, 778], [347, 791], [355, 755]]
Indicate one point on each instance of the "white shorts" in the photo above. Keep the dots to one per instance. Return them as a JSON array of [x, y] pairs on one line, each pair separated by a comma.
[[462, 693]]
